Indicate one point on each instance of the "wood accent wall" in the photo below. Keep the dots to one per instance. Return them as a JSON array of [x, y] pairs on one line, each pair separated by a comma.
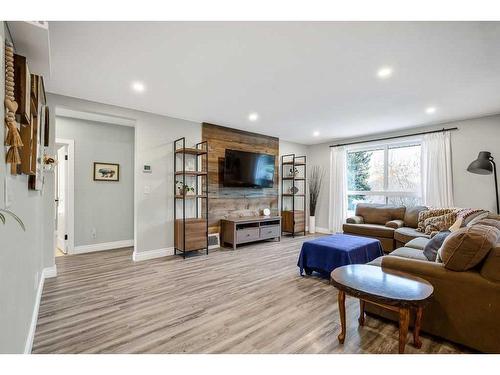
[[224, 202]]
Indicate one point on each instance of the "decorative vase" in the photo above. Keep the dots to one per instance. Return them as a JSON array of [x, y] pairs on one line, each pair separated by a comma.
[[312, 224]]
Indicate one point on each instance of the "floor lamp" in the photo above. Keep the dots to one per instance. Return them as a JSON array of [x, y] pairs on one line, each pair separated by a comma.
[[484, 164]]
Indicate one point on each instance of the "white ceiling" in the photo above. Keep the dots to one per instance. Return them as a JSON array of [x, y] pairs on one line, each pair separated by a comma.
[[300, 77]]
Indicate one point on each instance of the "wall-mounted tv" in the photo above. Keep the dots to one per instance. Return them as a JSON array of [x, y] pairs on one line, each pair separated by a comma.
[[248, 169]]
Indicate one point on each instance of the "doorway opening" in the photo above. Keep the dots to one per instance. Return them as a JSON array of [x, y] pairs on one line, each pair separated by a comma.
[[64, 196]]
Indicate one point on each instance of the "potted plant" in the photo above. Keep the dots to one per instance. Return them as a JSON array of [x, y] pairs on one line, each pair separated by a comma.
[[3, 214], [315, 181], [183, 189]]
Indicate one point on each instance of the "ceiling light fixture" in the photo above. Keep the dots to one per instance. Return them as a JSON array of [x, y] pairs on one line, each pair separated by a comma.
[[384, 72], [253, 116], [138, 86], [430, 110], [316, 133]]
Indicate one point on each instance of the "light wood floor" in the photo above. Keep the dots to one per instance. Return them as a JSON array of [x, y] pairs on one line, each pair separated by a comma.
[[251, 300]]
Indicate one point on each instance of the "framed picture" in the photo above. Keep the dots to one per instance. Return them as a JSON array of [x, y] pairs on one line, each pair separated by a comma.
[[106, 172]]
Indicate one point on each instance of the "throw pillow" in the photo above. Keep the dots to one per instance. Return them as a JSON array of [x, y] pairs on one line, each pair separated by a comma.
[[475, 218], [467, 247], [490, 222], [457, 224], [432, 247]]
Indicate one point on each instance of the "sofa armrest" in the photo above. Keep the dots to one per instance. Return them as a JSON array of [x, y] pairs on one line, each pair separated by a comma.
[[355, 220], [395, 224]]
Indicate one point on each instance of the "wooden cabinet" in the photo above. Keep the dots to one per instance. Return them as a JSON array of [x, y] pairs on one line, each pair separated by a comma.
[[293, 193], [293, 221], [250, 229], [195, 234]]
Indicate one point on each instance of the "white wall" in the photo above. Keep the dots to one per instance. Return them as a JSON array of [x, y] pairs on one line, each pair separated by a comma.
[[154, 136], [23, 255], [106, 207], [472, 136]]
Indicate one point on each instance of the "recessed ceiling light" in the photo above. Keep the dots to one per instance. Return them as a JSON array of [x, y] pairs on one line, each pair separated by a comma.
[[384, 72], [138, 86], [316, 133], [430, 110], [253, 116]]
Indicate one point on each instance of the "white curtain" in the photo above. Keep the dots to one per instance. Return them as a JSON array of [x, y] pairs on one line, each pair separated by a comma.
[[338, 189], [437, 180]]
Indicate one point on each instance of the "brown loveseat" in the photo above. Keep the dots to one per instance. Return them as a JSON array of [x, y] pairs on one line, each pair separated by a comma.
[[393, 226], [465, 306]]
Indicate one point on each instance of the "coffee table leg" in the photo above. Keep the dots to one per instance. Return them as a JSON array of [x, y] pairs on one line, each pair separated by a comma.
[[341, 299], [361, 319], [404, 321], [416, 330]]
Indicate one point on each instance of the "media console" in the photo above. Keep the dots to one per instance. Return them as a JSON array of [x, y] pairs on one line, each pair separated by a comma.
[[250, 229]]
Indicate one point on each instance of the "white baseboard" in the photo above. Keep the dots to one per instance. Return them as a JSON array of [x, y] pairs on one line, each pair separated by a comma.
[[323, 230], [151, 254], [46, 273], [102, 246]]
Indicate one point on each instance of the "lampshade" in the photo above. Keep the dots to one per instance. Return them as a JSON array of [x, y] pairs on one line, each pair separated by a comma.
[[482, 165]]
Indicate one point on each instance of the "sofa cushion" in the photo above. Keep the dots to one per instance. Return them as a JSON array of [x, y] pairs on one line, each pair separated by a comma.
[[418, 243], [432, 247], [468, 246], [411, 216], [407, 234], [354, 220], [379, 213], [371, 230], [376, 262], [490, 222], [408, 252], [395, 224], [491, 266]]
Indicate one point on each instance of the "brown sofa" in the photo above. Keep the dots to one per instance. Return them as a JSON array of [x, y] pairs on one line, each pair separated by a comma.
[[393, 226], [465, 306]]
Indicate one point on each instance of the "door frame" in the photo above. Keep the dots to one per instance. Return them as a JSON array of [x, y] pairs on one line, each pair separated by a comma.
[[70, 194]]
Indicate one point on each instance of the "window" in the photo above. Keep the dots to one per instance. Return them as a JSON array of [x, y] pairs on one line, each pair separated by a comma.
[[388, 174]]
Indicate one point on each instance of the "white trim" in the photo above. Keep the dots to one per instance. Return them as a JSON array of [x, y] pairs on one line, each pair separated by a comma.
[[151, 254], [102, 246], [322, 230], [93, 116], [46, 273], [70, 194]]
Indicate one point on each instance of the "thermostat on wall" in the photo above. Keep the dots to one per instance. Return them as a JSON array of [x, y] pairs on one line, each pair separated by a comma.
[[146, 169]]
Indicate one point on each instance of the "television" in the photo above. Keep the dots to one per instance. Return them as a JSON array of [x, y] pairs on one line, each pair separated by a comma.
[[248, 169]]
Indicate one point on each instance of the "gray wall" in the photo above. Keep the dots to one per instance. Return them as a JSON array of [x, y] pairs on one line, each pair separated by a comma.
[[23, 255], [154, 136], [107, 207], [470, 190]]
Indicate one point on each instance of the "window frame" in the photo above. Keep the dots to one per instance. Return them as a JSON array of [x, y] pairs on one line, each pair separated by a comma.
[[385, 147]]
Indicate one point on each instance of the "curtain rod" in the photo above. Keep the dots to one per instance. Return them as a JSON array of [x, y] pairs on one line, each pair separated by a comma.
[[394, 137]]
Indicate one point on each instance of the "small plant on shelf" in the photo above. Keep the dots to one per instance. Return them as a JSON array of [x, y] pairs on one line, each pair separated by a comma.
[[3, 214], [183, 189]]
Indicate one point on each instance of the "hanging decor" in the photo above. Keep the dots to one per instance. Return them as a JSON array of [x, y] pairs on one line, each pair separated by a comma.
[[12, 139]]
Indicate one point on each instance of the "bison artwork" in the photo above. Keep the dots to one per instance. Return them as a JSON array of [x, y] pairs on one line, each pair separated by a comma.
[[106, 172]]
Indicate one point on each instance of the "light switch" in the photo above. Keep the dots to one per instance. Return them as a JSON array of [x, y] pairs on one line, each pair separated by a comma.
[[147, 189]]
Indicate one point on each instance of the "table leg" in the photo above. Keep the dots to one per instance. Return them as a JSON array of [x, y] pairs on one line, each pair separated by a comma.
[[416, 330], [404, 321], [341, 299], [361, 319]]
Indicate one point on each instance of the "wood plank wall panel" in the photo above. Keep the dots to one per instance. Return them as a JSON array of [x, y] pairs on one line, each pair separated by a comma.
[[224, 201]]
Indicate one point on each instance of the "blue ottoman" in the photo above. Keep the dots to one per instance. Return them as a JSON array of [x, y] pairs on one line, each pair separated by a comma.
[[326, 253]]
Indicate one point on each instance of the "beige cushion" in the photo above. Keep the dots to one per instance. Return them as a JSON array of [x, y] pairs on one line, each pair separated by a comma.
[[408, 252], [491, 265], [457, 224], [376, 262], [407, 234], [379, 213], [371, 230], [411, 216], [490, 222], [395, 224], [417, 243], [467, 247]]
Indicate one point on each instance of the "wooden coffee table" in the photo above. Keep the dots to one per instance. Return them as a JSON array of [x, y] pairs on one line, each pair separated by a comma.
[[389, 289]]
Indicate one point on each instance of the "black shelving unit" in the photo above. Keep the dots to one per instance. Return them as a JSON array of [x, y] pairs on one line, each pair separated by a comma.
[[191, 233], [294, 220]]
